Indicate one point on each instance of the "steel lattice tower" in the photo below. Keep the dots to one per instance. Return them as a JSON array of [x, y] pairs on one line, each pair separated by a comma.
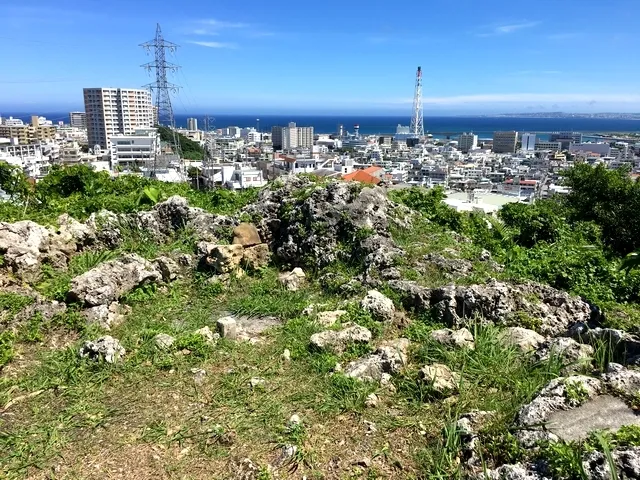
[[417, 119], [162, 87]]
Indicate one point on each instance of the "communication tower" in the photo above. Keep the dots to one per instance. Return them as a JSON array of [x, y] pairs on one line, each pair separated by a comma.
[[417, 121]]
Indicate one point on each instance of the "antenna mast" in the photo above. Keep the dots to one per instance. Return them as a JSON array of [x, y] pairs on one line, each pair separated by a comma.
[[417, 121], [163, 88]]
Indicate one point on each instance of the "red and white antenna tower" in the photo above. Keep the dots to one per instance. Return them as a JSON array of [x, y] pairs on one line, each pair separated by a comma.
[[417, 118]]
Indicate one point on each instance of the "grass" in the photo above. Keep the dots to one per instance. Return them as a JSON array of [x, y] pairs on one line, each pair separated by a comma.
[[150, 417]]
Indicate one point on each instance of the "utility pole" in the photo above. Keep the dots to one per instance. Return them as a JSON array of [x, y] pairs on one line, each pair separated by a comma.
[[417, 119], [163, 88]]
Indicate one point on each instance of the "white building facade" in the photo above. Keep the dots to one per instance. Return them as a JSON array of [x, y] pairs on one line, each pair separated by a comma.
[[116, 111]]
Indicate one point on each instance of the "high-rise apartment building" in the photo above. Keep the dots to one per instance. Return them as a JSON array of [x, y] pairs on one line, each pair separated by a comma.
[[192, 124], [467, 141], [288, 138], [528, 141], [78, 119], [114, 111], [505, 142]]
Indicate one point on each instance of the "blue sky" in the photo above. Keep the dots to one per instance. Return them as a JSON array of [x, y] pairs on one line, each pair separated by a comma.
[[285, 56]]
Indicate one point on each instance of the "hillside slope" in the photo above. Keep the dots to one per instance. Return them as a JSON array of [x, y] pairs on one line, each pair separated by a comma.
[[308, 330]]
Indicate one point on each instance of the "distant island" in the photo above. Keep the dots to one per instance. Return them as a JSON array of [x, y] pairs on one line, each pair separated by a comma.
[[614, 116]]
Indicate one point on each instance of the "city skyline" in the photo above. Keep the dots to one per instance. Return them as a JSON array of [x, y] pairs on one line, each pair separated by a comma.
[[285, 57]]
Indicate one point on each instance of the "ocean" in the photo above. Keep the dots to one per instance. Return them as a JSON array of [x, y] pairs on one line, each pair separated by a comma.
[[440, 127]]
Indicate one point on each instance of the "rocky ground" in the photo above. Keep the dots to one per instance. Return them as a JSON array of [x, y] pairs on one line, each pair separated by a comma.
[[321, 332]]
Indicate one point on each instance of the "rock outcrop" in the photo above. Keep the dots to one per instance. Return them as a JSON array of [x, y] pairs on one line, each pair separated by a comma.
[[339, 340], [26, 245], [389, 359], [107, 282], [550, 312], [105, 348]]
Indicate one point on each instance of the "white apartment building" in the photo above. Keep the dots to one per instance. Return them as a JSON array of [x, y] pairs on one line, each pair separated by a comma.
[[292, 136], [467, 141], [116, 111], [505, 142], [529, 142], [192, 124], [135, 151], [78, 119]]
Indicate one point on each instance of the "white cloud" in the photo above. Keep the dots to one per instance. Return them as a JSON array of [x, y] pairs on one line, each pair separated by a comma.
[[215, 44], [222, 24], [507, 28]]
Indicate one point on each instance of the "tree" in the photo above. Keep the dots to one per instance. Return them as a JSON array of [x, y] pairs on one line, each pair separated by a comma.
[[611, 199], [14, 182], [190, 150]]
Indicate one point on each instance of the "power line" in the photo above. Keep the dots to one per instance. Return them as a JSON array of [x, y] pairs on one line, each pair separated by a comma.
[[163, 88]]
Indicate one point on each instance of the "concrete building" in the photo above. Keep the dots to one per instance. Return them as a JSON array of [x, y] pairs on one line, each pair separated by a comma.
[[192, 124], [528, 142], [292, 136], [566, 138], [603, 149], [505, 142], [25, 134], [78, 119], [135, 151], [116, 111], [551, 146], [467, 141]]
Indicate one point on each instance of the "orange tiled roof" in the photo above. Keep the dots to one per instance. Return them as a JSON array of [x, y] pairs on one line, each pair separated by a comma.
[[373, 169], [361, 176]]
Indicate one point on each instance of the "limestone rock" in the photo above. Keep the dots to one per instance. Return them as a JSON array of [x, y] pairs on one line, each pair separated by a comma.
[[388, 359], [107, 282], [331, 213], [168, 267], [207, 335], [622, 379], [525, 340], [25, 245], [105, 348], [562, 393], [256, 257], [164, 341], [462, 338], [81, 233], [440, 378], [603, 412], [379, 306], [292, 280], [328, 319], [246, 234], [106, 316], [553, 311], [225, 258], [517, 471], [572, 354], [626, 459], [339, 340], [227, 328]]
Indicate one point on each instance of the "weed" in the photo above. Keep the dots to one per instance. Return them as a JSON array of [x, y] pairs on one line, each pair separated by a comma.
[[6, 347], [345, 394], [576, 391], [524, 320], [197, 345], [564, 460], [85, 261], [603, 353], [265, 296]]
